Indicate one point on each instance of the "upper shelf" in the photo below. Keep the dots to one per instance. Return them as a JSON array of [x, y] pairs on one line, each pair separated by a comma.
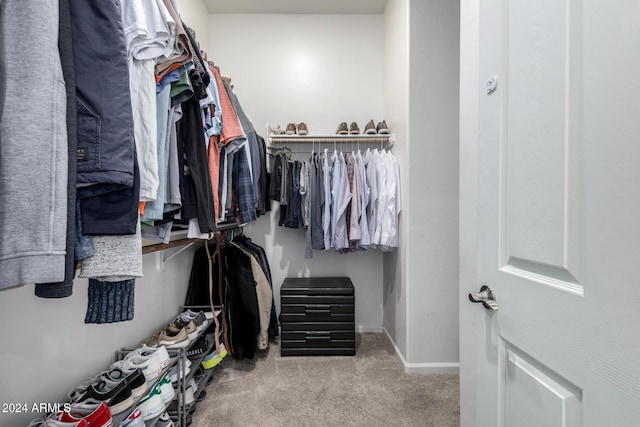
[[335, 138]]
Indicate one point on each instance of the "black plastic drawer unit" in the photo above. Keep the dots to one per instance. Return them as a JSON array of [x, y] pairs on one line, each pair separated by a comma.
[[317, 317]]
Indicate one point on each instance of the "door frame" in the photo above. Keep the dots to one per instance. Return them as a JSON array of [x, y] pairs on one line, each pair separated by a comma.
[[468, 228]]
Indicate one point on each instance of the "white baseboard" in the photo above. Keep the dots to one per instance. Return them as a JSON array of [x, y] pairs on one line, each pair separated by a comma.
[[423, 368], [363, 329]]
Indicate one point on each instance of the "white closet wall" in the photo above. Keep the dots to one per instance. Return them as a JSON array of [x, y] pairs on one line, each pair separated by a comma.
[[396, 108], [421, 92], [321, 70]]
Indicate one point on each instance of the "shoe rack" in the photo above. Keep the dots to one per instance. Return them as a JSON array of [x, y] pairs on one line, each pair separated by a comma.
[[384, 140], [179, 359]]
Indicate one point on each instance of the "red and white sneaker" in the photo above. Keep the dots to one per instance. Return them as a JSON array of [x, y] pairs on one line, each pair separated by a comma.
[[51, 422], [95, 414], [133, 420]]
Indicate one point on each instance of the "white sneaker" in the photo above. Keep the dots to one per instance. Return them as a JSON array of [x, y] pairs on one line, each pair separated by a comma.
[[173, 374], [152, 405], [135, 419], [145, 351], [149, 365], [166, 390], [189, 395], [165, 421]]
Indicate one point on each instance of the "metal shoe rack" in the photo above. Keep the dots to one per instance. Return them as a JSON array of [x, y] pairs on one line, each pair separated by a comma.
[[179, 360]]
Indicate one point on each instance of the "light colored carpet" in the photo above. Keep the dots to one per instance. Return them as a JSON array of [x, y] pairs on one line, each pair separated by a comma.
[[369, 389]]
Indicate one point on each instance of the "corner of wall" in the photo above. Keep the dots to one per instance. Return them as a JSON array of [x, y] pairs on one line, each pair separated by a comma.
[[396, 112], [423, 368]]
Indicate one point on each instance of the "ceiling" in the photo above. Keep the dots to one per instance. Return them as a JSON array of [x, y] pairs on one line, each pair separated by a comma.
[[331, 7]]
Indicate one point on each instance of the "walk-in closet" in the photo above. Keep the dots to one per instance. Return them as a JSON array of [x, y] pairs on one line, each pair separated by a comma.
[[382, 345]]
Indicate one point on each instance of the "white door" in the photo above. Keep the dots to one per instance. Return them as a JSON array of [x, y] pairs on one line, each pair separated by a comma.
[[556, 227]]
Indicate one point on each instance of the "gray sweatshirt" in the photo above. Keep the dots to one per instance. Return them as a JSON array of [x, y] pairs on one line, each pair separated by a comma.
[[33, 145]]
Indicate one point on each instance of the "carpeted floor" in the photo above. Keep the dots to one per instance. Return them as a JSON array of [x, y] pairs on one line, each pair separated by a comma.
[[369, 389]]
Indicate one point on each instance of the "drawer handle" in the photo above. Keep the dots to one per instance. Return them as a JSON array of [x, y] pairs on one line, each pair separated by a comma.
[[317, 311], [318, 338]]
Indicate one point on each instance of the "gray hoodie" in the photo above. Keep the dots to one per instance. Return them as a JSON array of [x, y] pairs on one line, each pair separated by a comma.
[[33, 145]]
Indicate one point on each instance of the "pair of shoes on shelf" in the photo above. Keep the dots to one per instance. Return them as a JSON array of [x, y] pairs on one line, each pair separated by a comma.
[[299, 129], [200, 318], [214, 359], [277, 131], [156, 402], [352, 129], [117, 387], [381, 128], [164, 420], [50, 422], [180, 332], [78, 415], [135, 419], [175, 371], [117, 395], [172, 337], [150, 360], [198, 348]]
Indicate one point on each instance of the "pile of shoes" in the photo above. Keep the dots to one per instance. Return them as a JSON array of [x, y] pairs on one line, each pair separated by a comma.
[[369, 129], [140, 378], [181, 331], [79, 415]]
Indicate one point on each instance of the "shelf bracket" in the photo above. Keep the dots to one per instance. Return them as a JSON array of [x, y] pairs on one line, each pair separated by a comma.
[[161, 259]]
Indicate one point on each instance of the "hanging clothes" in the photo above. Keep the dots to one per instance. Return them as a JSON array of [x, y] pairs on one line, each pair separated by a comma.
[[353, 199], [246, 293]]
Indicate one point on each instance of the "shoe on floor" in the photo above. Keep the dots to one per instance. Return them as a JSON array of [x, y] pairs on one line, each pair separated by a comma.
[[382, 128], [95, 414], [291, 129], [302, 129], [133, 420], [370, 128], [354, 129], [343, 129]]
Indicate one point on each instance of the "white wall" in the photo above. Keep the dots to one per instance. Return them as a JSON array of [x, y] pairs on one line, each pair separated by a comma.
[[194, 13], [469, 99], [317, 69], [421, 85], [396, 107], [433, 247], [47, 348]]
